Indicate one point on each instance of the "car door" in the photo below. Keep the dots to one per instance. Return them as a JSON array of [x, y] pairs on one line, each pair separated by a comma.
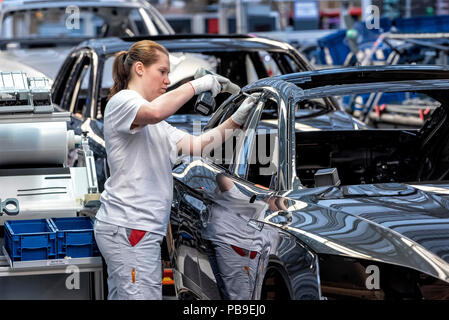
[[73, 90], [215, 225]]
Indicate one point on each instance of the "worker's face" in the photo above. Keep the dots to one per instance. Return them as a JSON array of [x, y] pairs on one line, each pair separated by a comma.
[[155, 77]]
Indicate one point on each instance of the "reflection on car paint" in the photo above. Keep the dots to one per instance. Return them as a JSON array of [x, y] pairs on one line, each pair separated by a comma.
[[360, 241], [236, 249]]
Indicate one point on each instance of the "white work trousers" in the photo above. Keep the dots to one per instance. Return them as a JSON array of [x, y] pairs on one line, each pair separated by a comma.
[[134, 272], [237, 268]]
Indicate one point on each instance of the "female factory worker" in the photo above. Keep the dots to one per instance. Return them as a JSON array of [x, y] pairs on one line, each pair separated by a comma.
[[142, 149]]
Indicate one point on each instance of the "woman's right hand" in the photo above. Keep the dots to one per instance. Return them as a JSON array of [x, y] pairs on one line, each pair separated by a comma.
[[207, 82]]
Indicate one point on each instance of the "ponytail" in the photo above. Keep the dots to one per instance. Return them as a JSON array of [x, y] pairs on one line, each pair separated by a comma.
[[145, 51], [120, 73]]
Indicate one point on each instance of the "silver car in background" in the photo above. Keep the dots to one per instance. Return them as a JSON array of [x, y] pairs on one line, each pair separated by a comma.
[[38, 34]]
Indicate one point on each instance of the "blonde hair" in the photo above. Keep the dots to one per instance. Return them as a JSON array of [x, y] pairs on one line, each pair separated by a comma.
[[145, 51]]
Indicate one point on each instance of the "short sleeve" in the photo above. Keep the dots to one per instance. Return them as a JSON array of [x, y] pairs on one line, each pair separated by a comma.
[[123, 114], [173, 135]]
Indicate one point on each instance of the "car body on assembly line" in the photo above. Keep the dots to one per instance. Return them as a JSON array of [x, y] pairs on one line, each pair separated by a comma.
[[40, 33], [240, 58], [276, 212], [83, 82]]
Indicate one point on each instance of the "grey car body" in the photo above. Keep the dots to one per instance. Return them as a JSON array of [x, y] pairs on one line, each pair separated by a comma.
[[383, 233], [39, 34]]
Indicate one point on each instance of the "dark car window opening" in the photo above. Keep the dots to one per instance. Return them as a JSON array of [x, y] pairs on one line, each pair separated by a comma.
[[263, 160], [258, 156], [223, 156], [378, 156], [282, 64], [80, 96], [75, 96], [293, 65], [59, 90]]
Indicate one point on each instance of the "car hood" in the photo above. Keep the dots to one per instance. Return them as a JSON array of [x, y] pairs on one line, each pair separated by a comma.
[[46, 61], [394, 223]]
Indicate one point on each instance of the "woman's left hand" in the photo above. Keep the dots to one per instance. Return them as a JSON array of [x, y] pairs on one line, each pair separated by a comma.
[[239, 117]]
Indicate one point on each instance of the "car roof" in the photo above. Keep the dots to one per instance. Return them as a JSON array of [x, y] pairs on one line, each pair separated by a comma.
[[190, 43], [365, 74], [359, 80]]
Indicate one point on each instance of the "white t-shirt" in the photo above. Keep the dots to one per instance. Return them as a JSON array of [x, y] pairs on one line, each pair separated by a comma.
[[139, 192], [229, 218]]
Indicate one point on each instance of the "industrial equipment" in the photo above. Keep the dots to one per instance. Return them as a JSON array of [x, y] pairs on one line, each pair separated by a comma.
[[34, 148], [37, 183]]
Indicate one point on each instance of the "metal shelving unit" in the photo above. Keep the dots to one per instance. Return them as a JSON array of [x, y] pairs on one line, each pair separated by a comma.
[[92, 265]]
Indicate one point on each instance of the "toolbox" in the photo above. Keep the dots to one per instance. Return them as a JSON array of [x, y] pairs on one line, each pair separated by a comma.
[[75, 237], [27, 240]]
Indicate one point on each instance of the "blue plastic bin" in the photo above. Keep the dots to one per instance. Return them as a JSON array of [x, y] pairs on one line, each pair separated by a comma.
[[75, 237], [30, 240]]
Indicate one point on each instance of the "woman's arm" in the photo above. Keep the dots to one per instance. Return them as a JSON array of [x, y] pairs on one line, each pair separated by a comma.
[[163, 106], [194, 145], [168, 103]]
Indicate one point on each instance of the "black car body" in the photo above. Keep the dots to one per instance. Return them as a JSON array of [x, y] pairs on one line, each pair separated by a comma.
[[85, 77], [289, 227], [235, 57]]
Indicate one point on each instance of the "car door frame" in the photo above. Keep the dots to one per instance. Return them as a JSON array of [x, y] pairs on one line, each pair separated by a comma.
[[257, 191], [285, 152], [64, 90]]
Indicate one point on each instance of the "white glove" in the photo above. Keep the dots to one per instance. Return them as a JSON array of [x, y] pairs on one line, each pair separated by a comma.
[[243, 111], [224, 82], [206, 83]]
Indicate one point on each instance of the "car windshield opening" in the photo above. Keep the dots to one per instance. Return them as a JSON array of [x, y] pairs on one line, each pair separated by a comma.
[[71, 21]]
